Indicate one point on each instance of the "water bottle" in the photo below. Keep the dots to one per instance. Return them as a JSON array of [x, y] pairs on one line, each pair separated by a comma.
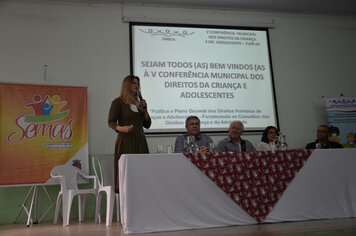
[[318, 146], [282, 142], [191, 145]]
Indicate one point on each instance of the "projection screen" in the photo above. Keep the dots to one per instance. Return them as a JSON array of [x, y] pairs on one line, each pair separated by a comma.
[[217, 73]]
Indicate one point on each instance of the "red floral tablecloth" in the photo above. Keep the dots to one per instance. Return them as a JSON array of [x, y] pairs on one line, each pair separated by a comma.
[[254, 180]]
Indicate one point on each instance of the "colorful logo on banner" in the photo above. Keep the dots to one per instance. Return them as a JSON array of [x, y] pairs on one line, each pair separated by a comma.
[[37, 124], [41, 127], [342, 120]]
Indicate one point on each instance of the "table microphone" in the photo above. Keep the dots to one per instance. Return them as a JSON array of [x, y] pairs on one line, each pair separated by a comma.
[[140, 97]]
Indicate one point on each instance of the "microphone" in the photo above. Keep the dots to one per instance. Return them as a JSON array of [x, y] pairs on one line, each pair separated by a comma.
[[140, 97]]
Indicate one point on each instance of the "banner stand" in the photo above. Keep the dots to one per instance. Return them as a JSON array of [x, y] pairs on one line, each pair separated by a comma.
[[34, 205], [42, 126], [341, 112]]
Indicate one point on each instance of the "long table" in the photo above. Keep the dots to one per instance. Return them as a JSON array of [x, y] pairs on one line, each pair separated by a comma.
[[165, 192]]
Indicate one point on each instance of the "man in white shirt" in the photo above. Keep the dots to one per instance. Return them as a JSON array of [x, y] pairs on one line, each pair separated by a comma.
[[234, 143]]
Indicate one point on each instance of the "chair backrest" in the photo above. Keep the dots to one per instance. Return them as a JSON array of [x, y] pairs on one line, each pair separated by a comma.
[[67, 175], [104, 170]]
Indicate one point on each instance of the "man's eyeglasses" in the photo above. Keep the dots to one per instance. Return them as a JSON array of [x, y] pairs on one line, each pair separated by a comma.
[[236, 128], [194, 123]]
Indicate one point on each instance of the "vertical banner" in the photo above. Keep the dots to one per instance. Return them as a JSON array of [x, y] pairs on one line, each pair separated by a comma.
[[342, 120], [41, 127]]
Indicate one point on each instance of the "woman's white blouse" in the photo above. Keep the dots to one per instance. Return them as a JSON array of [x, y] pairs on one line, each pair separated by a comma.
[[262, 146]]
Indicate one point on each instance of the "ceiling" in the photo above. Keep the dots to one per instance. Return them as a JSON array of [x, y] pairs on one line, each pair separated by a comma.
[[313, 7]]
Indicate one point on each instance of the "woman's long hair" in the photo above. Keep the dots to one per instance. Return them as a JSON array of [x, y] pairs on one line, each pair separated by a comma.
[[265, 133], [125, 88]]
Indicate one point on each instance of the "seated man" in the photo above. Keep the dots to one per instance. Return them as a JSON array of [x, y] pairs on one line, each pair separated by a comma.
[[322, 141], [234, 143], [192, 125]]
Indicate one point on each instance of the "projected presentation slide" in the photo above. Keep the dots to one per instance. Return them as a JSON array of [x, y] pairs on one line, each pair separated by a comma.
[[218, 74]]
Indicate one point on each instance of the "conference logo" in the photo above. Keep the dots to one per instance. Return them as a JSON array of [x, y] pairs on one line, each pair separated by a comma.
[[343, 101], [345, 105], [167, 33], [44, 121]]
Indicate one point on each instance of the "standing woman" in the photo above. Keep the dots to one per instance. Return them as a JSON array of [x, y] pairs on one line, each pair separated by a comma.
[[127, 116], [268, 139]]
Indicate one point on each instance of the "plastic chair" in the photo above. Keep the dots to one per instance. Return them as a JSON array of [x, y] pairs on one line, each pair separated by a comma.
[[68, 177], [104, 170]]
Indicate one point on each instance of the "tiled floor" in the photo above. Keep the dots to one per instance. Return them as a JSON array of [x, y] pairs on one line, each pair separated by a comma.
[[88, 228]]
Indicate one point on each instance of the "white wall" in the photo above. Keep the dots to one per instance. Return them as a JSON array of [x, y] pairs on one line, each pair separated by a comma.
[[88, 45]]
